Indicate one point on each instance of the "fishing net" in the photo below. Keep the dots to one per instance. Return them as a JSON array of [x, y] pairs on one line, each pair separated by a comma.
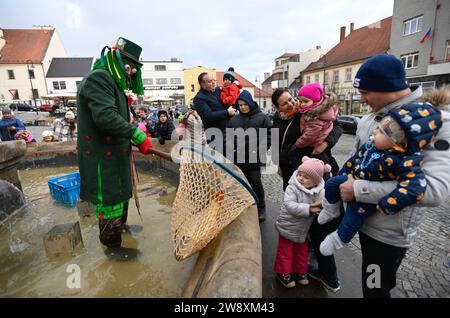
[[212, 192]]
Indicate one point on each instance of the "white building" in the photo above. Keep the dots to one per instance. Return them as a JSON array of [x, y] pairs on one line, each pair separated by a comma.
[[289, 66], [163, 81], [66, 73], [25, 57]]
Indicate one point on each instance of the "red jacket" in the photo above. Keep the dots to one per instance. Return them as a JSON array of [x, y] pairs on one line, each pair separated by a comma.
[[230, 93]]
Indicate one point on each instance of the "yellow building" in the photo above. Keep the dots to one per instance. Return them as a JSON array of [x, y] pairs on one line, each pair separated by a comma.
[[191, 86]]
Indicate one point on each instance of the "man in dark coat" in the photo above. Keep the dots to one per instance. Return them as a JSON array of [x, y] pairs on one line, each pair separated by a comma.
[[211, 111], [104, 134]]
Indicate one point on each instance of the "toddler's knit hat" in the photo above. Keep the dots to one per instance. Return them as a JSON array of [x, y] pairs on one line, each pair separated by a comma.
[[314, 168]]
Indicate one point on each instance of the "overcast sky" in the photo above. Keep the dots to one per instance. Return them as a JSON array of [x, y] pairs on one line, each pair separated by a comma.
[[246, 34]]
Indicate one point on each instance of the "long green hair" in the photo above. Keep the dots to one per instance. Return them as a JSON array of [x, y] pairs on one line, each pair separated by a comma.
[[112, 62]]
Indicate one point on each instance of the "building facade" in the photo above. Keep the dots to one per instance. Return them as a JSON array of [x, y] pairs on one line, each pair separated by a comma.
[[192, 87], [288, 67], [420, 37], [163, 81], [25, 57], [337, 69], [65, 74]]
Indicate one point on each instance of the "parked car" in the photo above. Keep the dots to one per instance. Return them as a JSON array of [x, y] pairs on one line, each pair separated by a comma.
[[21, 107], [46, 108], [349, 123]]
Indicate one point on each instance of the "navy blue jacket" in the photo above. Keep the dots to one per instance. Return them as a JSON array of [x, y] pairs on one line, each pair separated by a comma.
[[255, 119], [7, 134], [211, 111]]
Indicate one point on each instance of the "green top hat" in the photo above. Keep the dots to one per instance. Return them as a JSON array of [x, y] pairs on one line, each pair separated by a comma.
[[129, 49]]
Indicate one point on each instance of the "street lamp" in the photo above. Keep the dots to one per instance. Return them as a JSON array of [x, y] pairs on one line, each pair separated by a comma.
[[31, 65]]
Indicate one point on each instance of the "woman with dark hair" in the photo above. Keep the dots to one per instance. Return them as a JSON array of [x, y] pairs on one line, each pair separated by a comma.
[[287, 120]]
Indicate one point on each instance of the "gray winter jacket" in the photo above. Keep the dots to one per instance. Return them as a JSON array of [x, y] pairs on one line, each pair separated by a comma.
[[400, 229], [294, 220]]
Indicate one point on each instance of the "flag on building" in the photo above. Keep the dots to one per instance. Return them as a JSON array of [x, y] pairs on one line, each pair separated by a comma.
[[427, 35]]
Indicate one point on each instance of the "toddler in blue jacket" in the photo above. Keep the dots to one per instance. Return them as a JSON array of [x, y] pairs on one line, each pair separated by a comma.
[[393, 153]]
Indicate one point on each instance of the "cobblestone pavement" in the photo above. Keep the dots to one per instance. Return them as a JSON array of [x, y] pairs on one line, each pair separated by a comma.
[[425, 271]]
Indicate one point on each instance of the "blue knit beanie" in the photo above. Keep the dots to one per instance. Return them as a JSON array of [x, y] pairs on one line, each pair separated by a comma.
[[381, 73]]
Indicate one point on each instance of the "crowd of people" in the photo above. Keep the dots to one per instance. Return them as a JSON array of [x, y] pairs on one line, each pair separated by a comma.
[[381, 192], [396, 169]]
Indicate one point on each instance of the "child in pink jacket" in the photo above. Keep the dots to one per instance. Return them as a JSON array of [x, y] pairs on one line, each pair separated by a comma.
[[319, 111]]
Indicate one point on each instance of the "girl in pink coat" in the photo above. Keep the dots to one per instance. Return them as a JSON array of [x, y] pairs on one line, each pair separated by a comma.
[[319, 111]]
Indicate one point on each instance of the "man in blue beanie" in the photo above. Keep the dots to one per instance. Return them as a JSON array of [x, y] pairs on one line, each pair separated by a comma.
[[385, 239]]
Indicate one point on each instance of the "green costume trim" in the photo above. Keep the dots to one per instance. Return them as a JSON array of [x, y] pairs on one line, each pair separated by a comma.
[[138, 136], [109, 211], [112, 62]]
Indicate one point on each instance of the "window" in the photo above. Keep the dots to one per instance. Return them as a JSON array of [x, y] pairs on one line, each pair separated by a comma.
[[192, 88], [78, 84], [286, 75], [14, 93], [277, 63], [447, 52], [161, 81], [413, 25], [336, 76], [316, 78], [264, 104], [160, 67], [59, 85], [308, 79], [326, 78], [147, 81], [35, 93], [410, 60], [175, 81], [11, 74], [348, 74], [31, 74]]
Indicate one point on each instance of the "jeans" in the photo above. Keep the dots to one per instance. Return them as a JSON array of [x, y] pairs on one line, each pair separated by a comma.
[[317, 233], [355, 213], [388, 258], [253, 174]]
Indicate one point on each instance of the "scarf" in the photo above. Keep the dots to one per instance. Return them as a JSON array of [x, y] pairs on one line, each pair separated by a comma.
[[111, 62]]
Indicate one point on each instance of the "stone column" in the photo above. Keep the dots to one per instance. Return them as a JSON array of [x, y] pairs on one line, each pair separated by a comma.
[[10, 154]]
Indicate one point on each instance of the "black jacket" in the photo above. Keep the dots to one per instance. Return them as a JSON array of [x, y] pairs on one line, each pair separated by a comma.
[[291, 159], [255, 119], [164, 130]]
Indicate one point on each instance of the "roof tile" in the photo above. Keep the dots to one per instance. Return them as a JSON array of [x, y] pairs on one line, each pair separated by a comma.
[[25, 44]]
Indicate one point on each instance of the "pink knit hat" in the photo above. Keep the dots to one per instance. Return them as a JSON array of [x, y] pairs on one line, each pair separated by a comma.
[[314, 168], [314, 92]]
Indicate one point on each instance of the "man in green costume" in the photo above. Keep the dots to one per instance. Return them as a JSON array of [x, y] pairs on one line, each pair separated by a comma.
[[105, 135]]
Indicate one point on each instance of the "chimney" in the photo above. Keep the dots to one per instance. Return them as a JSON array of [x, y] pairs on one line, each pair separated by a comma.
[[342, 33], [352, 27], [318, 47]]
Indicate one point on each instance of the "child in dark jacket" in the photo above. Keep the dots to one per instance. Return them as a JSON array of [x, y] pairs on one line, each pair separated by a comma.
[[393, 153], [246, 154], [230, 90], [164, 127]]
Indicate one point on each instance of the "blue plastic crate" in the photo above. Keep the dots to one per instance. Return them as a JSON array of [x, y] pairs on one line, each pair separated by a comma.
[[66, 189]]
